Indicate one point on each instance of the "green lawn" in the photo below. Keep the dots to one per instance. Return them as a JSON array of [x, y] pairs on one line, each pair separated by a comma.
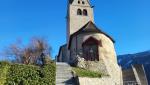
[[86, 73]]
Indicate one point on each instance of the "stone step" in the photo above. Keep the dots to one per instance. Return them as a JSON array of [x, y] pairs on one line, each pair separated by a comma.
[[64, 81], [64, 74], [62, 66], [67, 75], [62, 63], [64, 84], [64, 71], [63, 77], [68, 81], [61, 69]]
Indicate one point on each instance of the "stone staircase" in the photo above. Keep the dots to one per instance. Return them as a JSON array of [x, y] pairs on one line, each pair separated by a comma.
[[63, 74]]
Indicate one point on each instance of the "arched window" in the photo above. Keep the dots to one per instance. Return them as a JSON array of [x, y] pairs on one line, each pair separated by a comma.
[[90, 49], [83, 2], [79, 12], [85, 12], [78, 2]]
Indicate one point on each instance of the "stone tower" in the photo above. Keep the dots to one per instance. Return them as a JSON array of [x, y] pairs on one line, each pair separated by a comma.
[[79, 13]]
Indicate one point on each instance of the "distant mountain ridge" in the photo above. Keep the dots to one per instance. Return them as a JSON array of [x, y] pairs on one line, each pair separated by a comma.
[[125, 61]]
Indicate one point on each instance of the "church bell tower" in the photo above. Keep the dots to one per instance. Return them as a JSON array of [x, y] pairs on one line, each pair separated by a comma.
[[79, 13]]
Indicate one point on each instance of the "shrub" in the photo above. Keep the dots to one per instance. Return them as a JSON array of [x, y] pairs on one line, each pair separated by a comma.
[[86, 73], [22, 74], [48, 73], [4, 66], [19, 74]]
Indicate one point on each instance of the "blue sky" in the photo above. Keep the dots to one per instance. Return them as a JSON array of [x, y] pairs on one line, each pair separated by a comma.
[[127, 21]]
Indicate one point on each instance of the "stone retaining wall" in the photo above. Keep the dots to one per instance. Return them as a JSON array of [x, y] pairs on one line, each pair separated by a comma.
[[97, 81]]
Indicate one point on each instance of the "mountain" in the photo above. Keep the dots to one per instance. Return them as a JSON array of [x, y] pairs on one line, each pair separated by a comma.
[[125, 61]]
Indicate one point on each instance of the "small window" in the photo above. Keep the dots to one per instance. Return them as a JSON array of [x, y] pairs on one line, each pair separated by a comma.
[[83, 2], [85, 12], [78, 2], [79, 12]]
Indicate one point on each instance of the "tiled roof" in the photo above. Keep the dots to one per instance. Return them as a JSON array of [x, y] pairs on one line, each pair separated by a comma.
[[89, 27]]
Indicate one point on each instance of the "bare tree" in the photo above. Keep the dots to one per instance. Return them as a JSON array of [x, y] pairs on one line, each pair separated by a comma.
[[41, 50], [34, 53]]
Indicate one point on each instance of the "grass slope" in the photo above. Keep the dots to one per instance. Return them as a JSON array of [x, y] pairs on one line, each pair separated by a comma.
[[87, 73]]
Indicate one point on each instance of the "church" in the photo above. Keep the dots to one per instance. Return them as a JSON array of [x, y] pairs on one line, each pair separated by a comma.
[[87, 46], [84, 38]]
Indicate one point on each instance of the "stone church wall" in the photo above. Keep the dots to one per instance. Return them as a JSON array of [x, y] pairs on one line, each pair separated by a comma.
[[98, 81]]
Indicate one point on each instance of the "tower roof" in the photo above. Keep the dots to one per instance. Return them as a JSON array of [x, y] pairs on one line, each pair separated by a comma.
[[70, 1]]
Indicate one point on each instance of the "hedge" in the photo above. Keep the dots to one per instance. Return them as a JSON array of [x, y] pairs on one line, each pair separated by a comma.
[[19, 74], [4, 67]]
